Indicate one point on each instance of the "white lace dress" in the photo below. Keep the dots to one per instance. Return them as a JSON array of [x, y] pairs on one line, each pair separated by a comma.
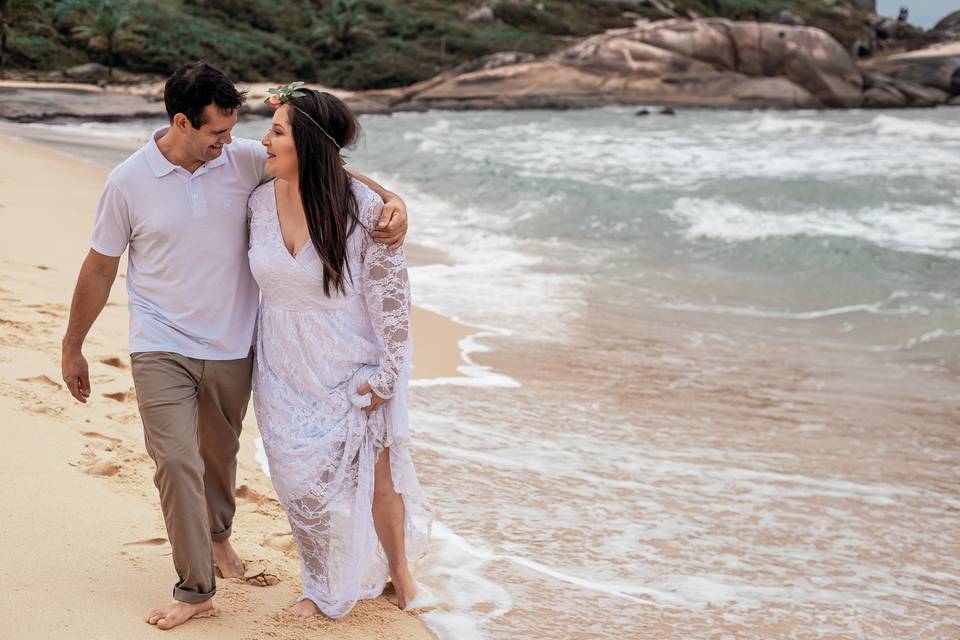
[[312, 353]]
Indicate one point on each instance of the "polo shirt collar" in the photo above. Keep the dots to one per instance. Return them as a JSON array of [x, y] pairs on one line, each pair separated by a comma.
[[219, 160], [159, 163]]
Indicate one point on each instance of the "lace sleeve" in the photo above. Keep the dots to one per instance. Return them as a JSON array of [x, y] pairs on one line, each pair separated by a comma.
[[386, 289]]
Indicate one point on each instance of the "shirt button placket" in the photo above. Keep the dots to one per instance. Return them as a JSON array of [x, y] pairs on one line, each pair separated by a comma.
[[196, 202]]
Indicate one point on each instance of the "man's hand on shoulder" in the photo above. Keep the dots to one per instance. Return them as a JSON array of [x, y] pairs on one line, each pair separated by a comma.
[[392, 227]]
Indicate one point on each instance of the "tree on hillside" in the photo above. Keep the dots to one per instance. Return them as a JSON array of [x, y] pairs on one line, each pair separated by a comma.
[[341, 27], [14, 11], [106, 27]]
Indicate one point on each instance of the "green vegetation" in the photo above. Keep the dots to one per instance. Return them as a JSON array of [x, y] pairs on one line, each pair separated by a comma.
[[345, 43], [105, 26]]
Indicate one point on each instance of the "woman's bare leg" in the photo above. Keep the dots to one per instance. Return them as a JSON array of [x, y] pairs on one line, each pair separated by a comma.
[[388, 515]]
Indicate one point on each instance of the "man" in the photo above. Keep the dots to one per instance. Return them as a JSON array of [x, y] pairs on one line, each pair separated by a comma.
[[179, 204]]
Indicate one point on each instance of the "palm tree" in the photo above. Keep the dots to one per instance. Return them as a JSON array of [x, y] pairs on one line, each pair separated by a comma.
[[341, 26], [108, 29], [11, 11]]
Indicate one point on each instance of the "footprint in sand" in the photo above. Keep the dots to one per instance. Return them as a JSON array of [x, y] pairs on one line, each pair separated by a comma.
[[100, 436], [148, 542], [90, 458], [114, 361], [42, 380], [148, 547], [280, 540], [123, 418], [121, 396], [251, 495], [106, 443], [104, 468], [55, 310], [259, 573]]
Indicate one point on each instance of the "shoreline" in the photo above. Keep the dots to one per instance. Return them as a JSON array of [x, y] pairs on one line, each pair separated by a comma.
[[79, 474]]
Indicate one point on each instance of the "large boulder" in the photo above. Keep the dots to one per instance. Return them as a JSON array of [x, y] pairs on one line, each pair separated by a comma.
[[937, 66], [884, 97], [525, 85], [809, 58], [553, 85], [492, 61], [705, 62], [949, 26], [883, 92], [90, 73]]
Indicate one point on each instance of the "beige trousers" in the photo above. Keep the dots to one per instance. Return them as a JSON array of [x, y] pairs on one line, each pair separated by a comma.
[[192, 412]]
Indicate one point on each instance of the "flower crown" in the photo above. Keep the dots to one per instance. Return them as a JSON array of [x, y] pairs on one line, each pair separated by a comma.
[[281, 95]]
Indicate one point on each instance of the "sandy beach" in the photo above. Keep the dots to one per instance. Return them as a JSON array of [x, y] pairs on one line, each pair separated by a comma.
[[84, 547]]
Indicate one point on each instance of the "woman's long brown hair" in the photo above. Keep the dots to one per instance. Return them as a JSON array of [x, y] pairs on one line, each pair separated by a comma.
[[325, 190]]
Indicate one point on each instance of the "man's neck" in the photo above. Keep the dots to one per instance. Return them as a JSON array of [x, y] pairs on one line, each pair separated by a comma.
[[176, 155]]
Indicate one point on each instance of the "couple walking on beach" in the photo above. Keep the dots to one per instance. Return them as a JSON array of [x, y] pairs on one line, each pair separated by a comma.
[[266, 267]]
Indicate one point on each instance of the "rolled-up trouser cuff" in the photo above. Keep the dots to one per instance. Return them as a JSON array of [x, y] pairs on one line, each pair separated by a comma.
[[220, 536], [190, 596]]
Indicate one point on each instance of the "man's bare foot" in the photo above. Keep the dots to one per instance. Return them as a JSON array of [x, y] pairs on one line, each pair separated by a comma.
[[404, 585], [305, 609], [176, 613], [226, 560]]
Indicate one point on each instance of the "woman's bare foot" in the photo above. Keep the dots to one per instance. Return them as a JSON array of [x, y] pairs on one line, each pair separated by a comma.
[[176, 613], [404, 585], [305, 609], [226, 560]]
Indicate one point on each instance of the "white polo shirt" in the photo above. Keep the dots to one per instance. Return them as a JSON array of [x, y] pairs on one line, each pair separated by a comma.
[[189, 282]]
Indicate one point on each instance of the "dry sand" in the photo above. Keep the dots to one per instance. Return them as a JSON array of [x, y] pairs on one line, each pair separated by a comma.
[[84, 550]]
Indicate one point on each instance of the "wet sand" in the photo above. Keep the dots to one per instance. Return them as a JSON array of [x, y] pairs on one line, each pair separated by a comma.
[[730, 484]]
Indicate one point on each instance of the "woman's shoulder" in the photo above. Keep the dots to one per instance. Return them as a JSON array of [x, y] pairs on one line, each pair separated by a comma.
[[261, 197]]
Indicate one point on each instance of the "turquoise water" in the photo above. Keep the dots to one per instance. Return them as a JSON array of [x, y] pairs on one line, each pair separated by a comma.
[[843, 224]]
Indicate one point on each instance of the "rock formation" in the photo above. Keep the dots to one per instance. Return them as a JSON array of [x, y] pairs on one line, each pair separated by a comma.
[[707, 62], [949, 27], [926, 77]]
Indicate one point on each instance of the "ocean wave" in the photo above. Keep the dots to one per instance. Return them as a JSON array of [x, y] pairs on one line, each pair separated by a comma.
[[774, 123], [933, 230], [456, 570], [473, 374], [883, 126], [495, 278], [926, 338], [873, 308], [133, 130], [653, 155], [909, 129]]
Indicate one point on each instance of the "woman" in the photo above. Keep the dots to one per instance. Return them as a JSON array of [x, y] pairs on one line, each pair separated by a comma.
[[331, 364]]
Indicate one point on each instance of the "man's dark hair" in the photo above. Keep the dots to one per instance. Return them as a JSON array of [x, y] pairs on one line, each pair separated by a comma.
[[195, 85]]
